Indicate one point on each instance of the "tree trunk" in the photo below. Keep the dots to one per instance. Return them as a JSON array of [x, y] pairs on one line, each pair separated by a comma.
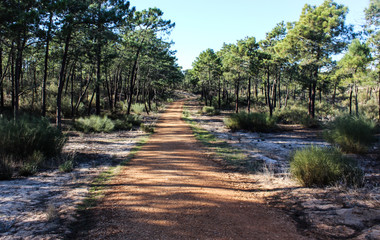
[[43, 110], [379, 96], [313, 93], [334, 94], [249, 95], [132, 78], [351, 90], [62, 81], [268, 94], [287, 96], [237, 95], [219, 92], [98, 78], [356, 101]]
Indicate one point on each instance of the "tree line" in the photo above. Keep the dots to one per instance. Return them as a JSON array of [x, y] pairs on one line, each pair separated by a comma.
[[64, 56], [295, 59]]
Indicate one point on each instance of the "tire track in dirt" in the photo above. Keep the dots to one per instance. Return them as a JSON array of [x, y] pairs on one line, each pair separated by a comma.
[[170, 190]]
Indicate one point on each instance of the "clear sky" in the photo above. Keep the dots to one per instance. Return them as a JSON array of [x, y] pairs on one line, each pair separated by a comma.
[[202, 24]]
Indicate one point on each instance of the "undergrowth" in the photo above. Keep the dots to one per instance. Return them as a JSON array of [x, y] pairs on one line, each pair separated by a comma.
[[254, 122], [323, 166], [351, 133]]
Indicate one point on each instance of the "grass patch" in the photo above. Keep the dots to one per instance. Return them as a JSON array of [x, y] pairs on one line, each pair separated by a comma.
[[295, 115], [351, 133], [210, 111], [27, 134], [94, 124], [323, 166], [254, 122], [127, 122]]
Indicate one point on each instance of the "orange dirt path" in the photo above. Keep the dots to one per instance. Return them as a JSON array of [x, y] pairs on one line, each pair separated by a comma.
[[170, 190]]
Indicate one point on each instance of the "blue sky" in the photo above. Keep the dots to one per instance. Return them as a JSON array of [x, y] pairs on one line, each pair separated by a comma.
[[202, 24]]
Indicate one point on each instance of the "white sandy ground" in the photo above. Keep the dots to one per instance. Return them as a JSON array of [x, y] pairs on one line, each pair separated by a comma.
[[43, 206]]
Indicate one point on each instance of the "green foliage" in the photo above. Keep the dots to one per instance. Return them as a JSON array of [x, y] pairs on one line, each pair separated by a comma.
[[67, 166], [210, 111], [94, 124], [351, 133], [138, 108], [320, 166], [28, 134], [255, 122], [295, 115], [127, 122]]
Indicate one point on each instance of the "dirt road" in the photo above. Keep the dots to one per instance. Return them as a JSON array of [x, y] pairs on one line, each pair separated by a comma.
[[171, 191]]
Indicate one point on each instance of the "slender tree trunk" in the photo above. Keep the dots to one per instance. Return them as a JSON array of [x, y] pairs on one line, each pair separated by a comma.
[[62, 81], [287, 96], [98, 78], [249, 95], [268, 94], [313, 93], [219, 92], [351, 90], [334, 94], [132, 78], [356, 101], [237, 95], [90, 103], [43, 110]]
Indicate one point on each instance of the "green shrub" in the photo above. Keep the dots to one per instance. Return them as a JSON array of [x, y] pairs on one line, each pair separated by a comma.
[[255, 122], [138, 108], [127, 122], [351, 133], [210, 111], [28, 134], [322, 166], [295, 115], [94, 124], [67, 166]]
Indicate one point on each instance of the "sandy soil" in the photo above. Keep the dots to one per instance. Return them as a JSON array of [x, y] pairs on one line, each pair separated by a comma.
[[170, 190]]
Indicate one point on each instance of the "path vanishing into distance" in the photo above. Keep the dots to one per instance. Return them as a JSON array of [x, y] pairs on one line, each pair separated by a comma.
[[171, 190]]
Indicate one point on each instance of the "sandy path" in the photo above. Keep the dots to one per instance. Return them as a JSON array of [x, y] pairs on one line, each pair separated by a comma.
[[171, 191]]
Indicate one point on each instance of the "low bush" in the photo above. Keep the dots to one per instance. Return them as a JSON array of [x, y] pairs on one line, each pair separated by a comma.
[[138, 108], [94, 124], [322, 166], [255, 122], [127, 122], [210, 111], [295, 115], [28, 134], [351, 133]]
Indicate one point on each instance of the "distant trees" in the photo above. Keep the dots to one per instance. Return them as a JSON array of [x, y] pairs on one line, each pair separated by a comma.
[[294, 61], [62, 55]]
